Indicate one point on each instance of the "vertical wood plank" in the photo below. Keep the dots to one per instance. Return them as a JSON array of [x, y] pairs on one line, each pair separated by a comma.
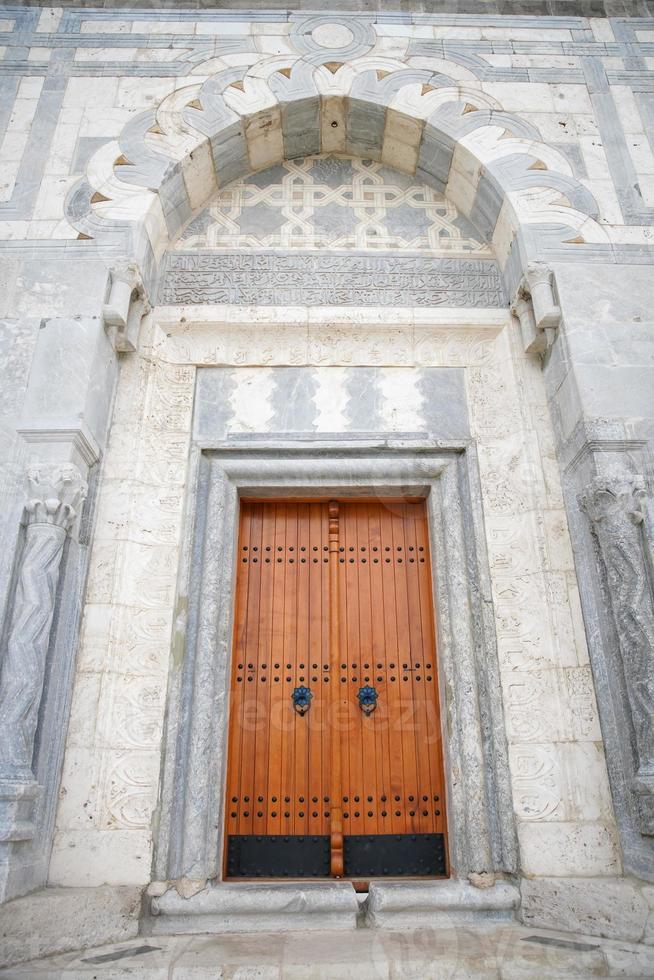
[[407, 684], [336, 823], [366, 757], [312, 566], [287, 723], [237, 689], [332, 679], [275, 668], [251, 715], [381, 788], [303, 675]]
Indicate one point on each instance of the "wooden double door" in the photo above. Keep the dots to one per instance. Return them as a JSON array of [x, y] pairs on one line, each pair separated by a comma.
[[335, 763]]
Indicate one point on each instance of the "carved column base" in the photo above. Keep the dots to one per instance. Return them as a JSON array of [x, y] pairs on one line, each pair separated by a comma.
[[17, 804]]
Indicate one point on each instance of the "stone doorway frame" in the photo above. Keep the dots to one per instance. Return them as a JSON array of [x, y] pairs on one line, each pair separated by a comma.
[[480, 813]]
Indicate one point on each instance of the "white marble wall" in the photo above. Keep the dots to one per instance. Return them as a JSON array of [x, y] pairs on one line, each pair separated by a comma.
[[111, 773], [112, 765], [578, 80]]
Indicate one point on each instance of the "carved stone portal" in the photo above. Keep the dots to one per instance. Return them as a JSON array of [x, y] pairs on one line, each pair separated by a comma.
[[614, 506], [55, 494]]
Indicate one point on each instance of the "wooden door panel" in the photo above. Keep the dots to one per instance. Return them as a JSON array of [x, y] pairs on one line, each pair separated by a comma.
[[392, 771], [276, 765], [335, 612]]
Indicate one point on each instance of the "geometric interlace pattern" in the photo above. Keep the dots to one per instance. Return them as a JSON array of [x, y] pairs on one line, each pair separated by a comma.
[[331, 202]]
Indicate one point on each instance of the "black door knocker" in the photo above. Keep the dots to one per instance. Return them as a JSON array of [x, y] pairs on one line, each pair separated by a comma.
[[301, 697], [367, 699]]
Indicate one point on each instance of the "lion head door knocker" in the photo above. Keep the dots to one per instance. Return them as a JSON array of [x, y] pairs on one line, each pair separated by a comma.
[[367, 699], [301, 698]]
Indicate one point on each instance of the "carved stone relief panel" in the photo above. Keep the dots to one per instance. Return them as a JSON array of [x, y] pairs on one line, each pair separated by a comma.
[[328, 279], [54, 499], [328, 231], [326, 337], [113, 755], [549, 697], [614, 505]]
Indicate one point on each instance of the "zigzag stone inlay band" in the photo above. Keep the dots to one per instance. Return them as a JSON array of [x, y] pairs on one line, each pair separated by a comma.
[[328, 279]]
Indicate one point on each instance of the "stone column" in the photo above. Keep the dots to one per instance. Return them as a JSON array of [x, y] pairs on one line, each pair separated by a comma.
[[55, 494], [614, 504]]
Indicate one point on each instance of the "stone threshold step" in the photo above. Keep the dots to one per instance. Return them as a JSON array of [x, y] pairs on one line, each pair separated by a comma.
[[289, 906]]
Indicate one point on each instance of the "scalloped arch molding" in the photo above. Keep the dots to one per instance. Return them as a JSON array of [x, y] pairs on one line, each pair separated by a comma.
[[492, 165]]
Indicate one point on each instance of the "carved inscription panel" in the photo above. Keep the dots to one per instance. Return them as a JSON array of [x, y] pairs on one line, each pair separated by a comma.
[[328, 279]]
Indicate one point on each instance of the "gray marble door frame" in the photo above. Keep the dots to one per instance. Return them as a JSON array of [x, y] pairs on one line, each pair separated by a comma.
[[480, 816]]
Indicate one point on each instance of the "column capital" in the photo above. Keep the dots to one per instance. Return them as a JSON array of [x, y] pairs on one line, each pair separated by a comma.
[[613, 496], [55, 494], [538, 273], [127, 273]]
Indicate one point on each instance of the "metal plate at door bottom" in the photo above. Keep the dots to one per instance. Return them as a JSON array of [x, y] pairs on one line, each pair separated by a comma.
[[278, 856], [394, 855]]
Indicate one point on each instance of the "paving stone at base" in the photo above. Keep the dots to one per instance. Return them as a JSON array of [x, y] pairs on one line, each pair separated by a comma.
[[58, 919], [612, 907], [496, 951]]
